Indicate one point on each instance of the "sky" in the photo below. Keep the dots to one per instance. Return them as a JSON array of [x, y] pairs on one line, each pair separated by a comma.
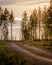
[[19, 6]]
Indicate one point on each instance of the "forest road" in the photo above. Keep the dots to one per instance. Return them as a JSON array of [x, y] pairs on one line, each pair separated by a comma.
[[34, 58]]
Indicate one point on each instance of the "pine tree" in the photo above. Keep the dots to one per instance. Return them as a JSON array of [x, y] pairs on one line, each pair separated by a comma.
[[33, 24], [5, 23], [49, 26], [11, 20], [1, 11], [39, 20], [25, 32], [45, 22]]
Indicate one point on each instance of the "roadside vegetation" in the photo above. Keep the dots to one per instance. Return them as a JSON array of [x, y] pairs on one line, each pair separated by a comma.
[[43, 44], [9, 57]]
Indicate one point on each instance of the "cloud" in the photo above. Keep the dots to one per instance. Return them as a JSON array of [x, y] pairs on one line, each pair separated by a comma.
[[22, 2], [19, 6], [7, 2], [33, 2], [18, 19]]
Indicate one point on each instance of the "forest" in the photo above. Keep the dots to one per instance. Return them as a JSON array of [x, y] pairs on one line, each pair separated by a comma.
[[38, 26]]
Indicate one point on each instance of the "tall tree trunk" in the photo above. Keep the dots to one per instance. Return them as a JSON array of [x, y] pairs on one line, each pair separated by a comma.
[[39, 29], [35, 34], [11, 30]]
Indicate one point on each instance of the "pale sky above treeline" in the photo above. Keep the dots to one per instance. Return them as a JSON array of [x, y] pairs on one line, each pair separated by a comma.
[[19, 6]]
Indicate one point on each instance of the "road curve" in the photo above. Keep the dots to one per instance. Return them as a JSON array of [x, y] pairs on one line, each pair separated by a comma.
[[38, 51], [31, 56]]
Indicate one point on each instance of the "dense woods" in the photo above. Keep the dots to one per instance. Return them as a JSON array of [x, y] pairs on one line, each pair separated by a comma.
[[39, 24]]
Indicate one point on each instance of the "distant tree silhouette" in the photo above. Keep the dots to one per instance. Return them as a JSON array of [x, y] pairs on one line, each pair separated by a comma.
[[1, 11]]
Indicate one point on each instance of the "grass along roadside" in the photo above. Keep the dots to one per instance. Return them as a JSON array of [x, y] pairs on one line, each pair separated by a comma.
[[10, 57], [47, 45]]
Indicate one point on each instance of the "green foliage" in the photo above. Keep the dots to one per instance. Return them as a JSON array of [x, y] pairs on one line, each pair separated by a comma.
[[33, 24], [26, 34], [25, 31], [43, 44]]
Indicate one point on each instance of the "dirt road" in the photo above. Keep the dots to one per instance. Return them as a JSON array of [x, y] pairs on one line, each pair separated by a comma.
[[35, 55]]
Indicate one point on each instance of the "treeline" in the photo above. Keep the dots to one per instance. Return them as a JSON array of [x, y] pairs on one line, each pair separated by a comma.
[[37, 26], [40, 19], [5, 18]]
